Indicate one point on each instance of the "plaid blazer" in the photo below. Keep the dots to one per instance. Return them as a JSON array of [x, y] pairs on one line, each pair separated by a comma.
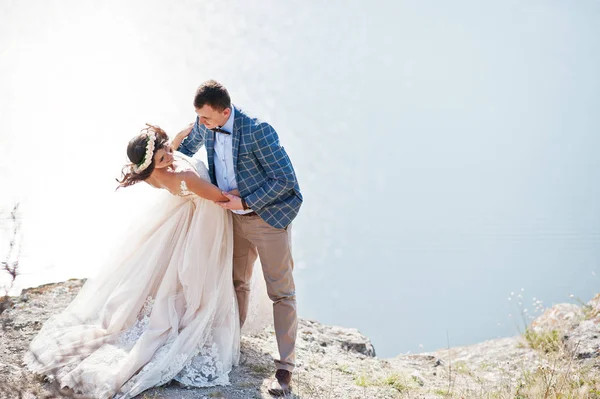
[[264, 173]]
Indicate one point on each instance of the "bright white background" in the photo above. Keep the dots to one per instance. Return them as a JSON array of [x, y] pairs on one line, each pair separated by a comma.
[[447, 151]]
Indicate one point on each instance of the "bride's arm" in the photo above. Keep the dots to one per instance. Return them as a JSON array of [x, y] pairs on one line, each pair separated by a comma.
[[193, 182], [181, 135], [199, 186]]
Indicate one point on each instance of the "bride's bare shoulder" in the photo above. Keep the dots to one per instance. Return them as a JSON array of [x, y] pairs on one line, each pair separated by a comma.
[[182, 162], [167, 179], [171, 178]]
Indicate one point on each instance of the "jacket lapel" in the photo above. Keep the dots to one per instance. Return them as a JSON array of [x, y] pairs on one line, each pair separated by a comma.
[[235, 139]]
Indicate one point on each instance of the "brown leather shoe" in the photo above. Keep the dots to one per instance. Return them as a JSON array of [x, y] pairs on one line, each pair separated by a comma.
[[282, 385]]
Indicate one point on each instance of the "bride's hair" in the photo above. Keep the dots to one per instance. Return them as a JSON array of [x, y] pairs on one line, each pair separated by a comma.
[[136, 151]]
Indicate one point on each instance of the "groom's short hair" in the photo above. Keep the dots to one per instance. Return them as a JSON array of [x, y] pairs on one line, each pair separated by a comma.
[[214, 94]]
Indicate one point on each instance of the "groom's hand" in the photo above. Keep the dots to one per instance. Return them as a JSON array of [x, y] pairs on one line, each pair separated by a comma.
[[234, 203]]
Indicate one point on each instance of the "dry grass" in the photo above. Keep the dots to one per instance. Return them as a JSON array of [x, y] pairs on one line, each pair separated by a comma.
[[10, 264], [558, 376], [545, 341]]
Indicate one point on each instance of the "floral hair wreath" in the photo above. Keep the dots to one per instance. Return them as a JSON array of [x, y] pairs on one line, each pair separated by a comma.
[[149, 153]]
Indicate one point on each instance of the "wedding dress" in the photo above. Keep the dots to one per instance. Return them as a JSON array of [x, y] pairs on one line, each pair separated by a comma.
[[164, 308]]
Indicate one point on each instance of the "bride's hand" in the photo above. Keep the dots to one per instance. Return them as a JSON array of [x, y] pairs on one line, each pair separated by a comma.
[[181, 135]]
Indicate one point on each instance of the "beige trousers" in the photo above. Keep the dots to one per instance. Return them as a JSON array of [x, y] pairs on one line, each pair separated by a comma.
[[254, 237]]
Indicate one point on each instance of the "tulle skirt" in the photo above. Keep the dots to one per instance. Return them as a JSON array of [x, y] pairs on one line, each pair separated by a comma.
[[162, 308]]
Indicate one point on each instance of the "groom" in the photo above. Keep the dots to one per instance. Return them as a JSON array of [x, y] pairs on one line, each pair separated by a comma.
[[245, 157]]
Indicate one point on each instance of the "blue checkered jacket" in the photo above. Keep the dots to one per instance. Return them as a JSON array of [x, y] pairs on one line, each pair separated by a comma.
[[264, 173]]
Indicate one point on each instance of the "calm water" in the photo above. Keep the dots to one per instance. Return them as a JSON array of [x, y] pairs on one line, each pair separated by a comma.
[[448, 153]]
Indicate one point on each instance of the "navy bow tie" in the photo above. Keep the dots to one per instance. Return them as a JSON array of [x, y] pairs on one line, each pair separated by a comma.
[[219, 130]]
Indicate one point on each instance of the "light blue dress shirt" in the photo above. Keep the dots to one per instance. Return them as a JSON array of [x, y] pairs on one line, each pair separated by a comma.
[[224, 171]]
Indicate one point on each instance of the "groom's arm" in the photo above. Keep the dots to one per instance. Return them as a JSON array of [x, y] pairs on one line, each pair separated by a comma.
[[193, 141], [276, 163]]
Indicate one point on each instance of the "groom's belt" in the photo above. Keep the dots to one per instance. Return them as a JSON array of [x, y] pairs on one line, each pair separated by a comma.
[[247, 214]]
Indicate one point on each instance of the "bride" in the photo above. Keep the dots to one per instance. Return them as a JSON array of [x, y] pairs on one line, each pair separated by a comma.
[[165, 307]]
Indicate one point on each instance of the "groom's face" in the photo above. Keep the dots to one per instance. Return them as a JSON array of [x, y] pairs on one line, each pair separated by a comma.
[[211, 118]]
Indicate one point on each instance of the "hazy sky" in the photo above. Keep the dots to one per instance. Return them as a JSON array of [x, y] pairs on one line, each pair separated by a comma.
[[447, 151]]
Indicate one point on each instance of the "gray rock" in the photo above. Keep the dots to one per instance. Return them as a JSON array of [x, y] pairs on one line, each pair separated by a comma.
[[559, 317], [349, 339], [332, 361], [583, 341]]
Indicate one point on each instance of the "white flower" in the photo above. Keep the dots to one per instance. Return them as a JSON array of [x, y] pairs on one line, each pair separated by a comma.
[[149, 153]]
